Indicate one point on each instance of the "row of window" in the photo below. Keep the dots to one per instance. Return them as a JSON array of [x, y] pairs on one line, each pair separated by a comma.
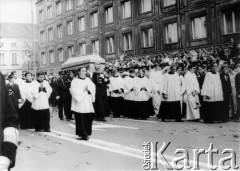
[[146, 6], [231, 24], [69, 25], [110, 46], [94, 19], [68, 4], [70, 52], [198, 27], [12, 44], [14, 60]]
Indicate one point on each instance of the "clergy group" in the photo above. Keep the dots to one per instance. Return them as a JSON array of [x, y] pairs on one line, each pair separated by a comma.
[[169, 92]]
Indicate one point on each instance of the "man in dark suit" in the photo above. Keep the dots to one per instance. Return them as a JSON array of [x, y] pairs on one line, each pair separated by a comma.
[[200, 73], [100, 80], [14, 92], [227, 92], [8, 129], [63, 86], [58, 96]]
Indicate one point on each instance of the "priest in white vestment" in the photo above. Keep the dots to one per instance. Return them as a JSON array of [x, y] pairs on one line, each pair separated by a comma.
[[41, 91], [232, 75], [130, 90], [143, 94], [212, 95], [26, 113], [156, 79], [192, 91], [171, 95], [116, 89], [83, 95]]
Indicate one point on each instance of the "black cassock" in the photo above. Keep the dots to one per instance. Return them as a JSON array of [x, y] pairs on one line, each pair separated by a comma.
[[62, 89], [8, 118], [26, 117], [100, 105], [227, 91]]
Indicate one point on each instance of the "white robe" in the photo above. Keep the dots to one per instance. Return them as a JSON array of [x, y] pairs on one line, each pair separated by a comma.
[[27, 92], [143, 95], [116, 83], [82, 101], [40, 99], [156, 79], [212, 87], [19, 81], [172, 87], [192, 85], [129, 84]]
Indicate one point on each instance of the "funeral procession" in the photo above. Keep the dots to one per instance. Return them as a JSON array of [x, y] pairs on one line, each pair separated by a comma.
[[115, 85]]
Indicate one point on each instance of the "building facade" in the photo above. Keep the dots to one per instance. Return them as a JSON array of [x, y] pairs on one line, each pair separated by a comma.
[[69, 28], [16, 50]]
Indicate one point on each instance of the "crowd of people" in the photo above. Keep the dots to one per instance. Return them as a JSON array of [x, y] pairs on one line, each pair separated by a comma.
[[201, 84]]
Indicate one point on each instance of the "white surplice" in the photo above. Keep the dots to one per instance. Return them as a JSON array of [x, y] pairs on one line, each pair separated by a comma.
[[212, 87], [143, 95], [27, 92], [40, 99], [82, 100], [130, 88], [192, 85], [156, 79], [116, 83], [172, 87]]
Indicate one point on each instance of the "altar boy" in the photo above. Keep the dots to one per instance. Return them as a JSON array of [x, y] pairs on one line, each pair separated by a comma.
[[41, 91]]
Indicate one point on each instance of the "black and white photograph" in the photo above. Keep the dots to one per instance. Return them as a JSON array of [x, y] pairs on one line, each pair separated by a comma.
[[115, 85]]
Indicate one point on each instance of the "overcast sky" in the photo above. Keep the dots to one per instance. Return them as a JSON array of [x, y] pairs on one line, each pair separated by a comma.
[[17, 11]]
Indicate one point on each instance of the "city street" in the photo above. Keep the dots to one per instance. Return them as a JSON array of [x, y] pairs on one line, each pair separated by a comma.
[[129, 58], [118, 144]]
